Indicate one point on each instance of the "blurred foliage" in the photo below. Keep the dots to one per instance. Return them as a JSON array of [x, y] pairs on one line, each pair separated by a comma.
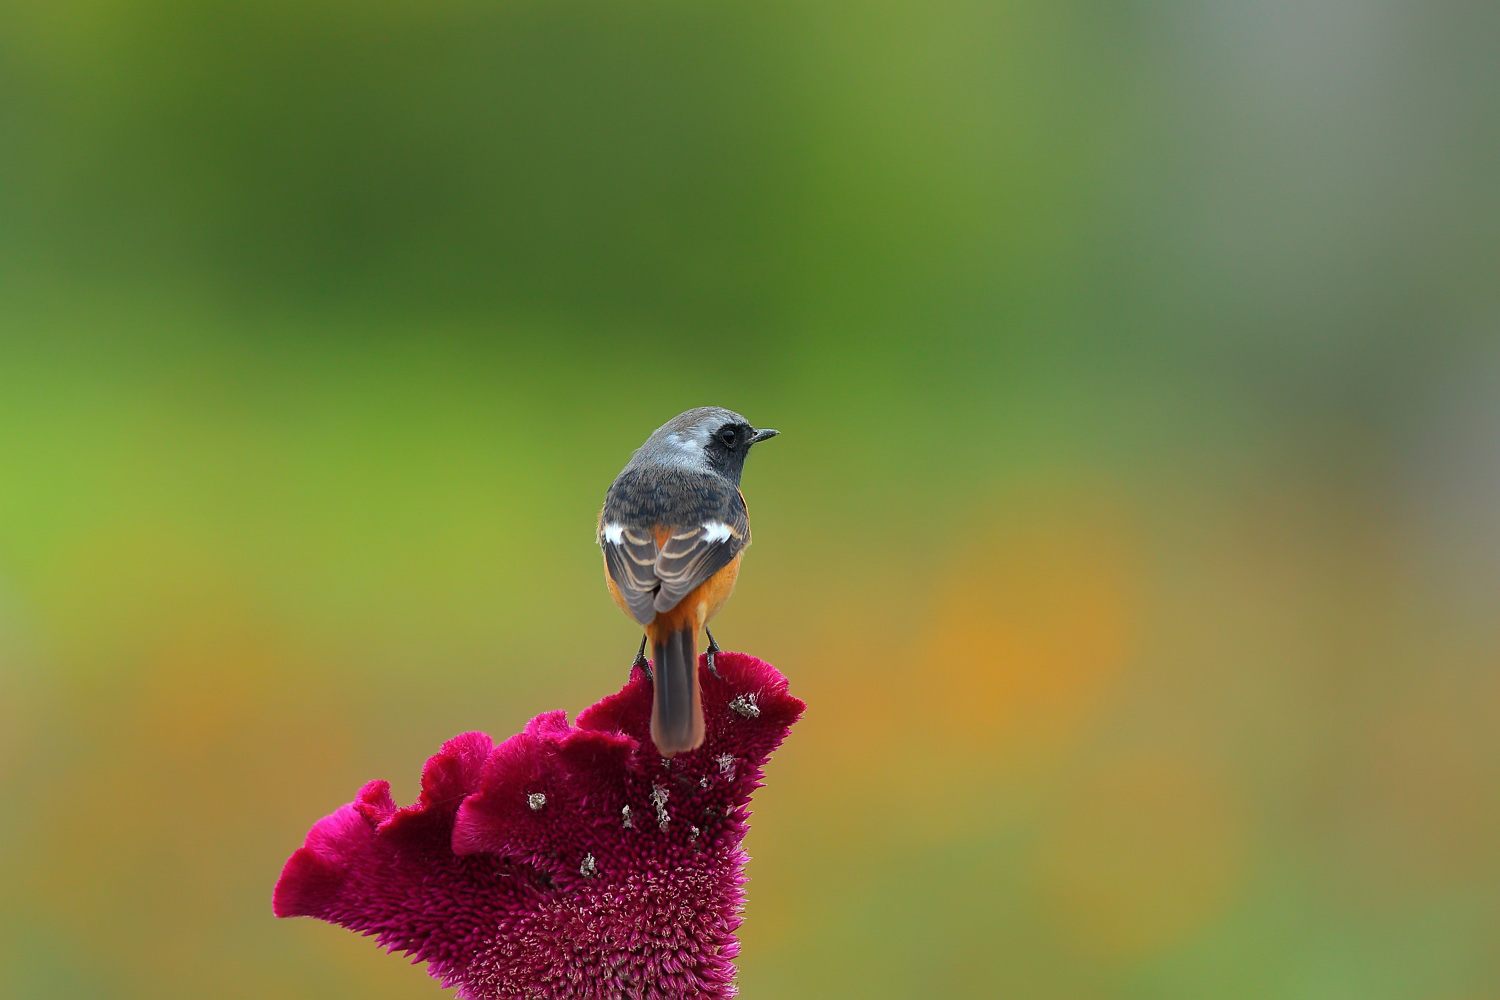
[[1133, 536]]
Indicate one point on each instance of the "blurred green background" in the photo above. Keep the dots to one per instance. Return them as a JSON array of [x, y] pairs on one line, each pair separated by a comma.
[[1134, 534]]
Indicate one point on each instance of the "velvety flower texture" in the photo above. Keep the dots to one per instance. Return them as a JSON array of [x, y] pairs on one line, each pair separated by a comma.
[[568, 861]]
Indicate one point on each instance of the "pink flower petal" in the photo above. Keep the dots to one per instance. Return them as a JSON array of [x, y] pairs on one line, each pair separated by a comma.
[[568, 861]]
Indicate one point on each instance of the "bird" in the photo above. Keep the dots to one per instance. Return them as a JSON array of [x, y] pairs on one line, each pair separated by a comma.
[[673, 530]]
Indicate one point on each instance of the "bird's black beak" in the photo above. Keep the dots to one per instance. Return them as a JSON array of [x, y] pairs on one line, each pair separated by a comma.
[[760, 436]]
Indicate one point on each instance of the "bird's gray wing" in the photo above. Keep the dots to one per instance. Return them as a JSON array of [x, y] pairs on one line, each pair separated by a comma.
[[696, 552], [630, 556]]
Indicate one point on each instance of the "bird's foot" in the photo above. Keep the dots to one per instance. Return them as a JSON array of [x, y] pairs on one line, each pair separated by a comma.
[[641, 661], [713, 650]]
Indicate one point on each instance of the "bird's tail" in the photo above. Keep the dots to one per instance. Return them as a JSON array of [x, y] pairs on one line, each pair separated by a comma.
[[677, 717]]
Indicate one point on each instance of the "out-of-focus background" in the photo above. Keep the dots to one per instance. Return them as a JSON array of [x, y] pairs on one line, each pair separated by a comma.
[[1134, 534]]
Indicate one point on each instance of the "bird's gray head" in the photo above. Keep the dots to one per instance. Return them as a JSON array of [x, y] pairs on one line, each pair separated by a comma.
[[705, 439]]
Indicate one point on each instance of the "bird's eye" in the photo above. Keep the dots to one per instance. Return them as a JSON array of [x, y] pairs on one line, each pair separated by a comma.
[[727, 436]]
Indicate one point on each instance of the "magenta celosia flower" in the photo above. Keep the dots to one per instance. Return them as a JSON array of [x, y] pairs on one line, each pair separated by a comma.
[[568, 861]]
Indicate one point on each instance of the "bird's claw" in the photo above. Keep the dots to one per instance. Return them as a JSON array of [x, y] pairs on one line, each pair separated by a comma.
[[713, 650], [641, 661]]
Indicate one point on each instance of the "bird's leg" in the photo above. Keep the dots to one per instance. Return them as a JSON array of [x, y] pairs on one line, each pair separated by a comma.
[[713, 647], [641, 661]]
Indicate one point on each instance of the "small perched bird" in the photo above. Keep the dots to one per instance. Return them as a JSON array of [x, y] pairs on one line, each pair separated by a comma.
[[673, 528]]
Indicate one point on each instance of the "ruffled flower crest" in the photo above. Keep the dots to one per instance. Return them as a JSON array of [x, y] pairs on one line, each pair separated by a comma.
[[568, 861]]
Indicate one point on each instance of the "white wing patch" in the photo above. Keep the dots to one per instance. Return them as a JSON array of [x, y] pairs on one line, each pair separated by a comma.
[[614, 534], [715, 531]]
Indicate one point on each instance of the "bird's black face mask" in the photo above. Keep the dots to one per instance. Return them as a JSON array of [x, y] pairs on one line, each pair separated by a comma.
[[729, 446]]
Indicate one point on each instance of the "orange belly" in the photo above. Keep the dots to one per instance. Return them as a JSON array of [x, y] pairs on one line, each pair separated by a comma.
[[700, 605], [696, 609]]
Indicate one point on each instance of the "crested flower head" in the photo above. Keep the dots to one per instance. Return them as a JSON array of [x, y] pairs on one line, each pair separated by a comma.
[[568, 861]]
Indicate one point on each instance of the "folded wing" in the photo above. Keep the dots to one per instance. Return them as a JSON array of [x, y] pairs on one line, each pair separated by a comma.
[[653, 577], [692, 555], [630, 556]]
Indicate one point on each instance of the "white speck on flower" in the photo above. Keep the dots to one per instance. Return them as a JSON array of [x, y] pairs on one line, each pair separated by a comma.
[[745, 705], [589, 868], [726, 763], [659, 800], [625, 819], [536, 800]]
